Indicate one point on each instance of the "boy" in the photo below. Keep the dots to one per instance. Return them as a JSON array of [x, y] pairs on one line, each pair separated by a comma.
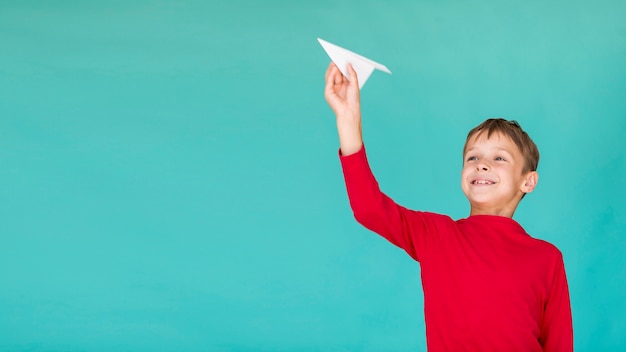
[[488, 285]]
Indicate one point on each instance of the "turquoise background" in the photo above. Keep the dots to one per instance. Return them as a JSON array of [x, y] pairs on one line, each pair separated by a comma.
[[170, 179]]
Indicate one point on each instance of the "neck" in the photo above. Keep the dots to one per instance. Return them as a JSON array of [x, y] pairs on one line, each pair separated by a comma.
[[508, 213]]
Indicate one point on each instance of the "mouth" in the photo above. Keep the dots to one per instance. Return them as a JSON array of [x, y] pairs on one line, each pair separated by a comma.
[[482, 182]]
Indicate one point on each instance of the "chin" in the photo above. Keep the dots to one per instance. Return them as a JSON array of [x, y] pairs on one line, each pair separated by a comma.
[[480, 201]]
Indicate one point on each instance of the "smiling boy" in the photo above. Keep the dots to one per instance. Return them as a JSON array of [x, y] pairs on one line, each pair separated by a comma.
[[488, 285], [496, 174]]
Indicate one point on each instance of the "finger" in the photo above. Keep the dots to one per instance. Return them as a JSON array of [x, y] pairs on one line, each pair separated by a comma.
[[330, 95], [328, 70], [354, 79], [338, 76], [330, 80], [332, 73], [329, 83]]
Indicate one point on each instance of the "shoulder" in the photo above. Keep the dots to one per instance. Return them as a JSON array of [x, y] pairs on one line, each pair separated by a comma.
[[546, 248], [436, 219], [547, 259]]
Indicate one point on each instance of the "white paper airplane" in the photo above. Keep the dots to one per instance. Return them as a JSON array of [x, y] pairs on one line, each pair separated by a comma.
[[362, 65]]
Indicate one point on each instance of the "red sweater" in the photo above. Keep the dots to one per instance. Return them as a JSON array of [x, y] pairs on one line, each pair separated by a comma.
[[488, 285]]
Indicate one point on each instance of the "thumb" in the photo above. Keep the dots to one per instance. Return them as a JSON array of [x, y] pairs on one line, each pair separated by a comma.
[[354, 79], [354, 93]]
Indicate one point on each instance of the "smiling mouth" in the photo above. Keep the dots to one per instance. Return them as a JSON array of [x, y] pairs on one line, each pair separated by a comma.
[[482, 182]]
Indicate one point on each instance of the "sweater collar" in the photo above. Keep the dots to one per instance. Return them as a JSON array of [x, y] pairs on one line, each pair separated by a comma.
[[495, 220]]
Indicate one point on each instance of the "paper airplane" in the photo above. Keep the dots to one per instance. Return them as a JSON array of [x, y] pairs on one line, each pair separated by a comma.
[[362, 65]]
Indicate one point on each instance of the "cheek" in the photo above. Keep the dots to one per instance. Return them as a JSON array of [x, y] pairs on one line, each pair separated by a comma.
[[465, 172], [508, 176]]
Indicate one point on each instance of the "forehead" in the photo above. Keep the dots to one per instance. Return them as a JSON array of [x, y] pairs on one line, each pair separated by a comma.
[[497, 140]]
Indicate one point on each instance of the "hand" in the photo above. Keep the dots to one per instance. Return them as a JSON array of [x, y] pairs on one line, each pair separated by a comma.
[[344, 98], [342, 94]]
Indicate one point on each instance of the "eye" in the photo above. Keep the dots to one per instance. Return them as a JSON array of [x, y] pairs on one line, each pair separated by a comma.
[[499, 158], [471, 158]]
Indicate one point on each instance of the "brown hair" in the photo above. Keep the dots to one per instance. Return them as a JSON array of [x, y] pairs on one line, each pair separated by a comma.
[[513, 130]]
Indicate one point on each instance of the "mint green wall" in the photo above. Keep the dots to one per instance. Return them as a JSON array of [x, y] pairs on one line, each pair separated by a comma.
[[170, 179]]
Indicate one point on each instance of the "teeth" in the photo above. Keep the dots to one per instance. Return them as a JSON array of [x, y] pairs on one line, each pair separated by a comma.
[[482, 182]]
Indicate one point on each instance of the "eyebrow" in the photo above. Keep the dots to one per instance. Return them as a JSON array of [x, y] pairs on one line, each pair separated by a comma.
[[498, 148], [505, 150]]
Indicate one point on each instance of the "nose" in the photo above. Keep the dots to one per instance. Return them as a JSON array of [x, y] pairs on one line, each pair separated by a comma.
[[482, 167]]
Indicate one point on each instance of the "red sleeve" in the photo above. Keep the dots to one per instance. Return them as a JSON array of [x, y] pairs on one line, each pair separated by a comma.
[[557, 333], [415, 232]]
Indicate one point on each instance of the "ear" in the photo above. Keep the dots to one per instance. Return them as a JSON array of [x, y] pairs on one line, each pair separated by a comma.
[[530, 182]]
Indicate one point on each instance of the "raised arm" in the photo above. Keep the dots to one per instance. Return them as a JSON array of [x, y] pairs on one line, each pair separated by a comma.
[[410, 230]]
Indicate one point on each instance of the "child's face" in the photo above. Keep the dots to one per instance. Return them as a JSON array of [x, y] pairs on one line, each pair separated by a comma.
[[492, 178]]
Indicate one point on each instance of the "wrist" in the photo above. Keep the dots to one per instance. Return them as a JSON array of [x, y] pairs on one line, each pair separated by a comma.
[[350, 141], [349, 121], [350, 148]]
